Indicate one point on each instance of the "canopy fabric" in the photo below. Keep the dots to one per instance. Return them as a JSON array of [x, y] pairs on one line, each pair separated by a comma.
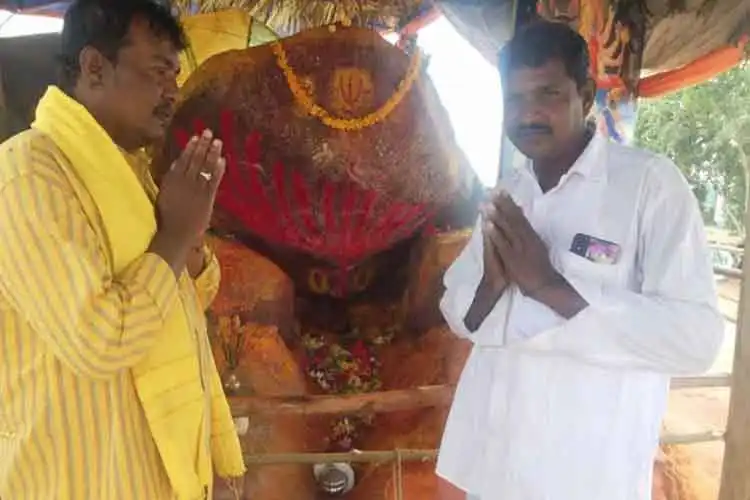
[[485, 25], [678, 37], [28, 64], [285, 17], [39, 7], [698, 71], [678, 31], [210, 34], [675, 43]]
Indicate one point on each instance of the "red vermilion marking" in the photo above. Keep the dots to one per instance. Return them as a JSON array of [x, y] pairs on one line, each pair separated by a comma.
[[278, 204]]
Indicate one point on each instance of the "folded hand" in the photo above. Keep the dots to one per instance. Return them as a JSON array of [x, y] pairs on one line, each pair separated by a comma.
[[524, 255]]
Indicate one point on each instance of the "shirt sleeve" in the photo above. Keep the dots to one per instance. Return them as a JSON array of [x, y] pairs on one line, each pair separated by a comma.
[[461, 281], [54, 273], [671, 324], [226, 450], [208, 281]]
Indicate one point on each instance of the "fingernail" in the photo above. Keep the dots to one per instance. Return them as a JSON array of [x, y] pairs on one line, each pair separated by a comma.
[[194, 138], [208, 134], [216, 143]]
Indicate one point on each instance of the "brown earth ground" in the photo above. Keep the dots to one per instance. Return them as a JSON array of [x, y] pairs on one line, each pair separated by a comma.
[[700, 410]]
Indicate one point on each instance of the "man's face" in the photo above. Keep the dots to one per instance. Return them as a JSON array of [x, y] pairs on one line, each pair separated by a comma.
[[544, 109], [139, 92]]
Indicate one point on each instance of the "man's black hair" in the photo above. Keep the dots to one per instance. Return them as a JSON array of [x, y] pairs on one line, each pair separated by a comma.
[[540, 41], [104, 25]]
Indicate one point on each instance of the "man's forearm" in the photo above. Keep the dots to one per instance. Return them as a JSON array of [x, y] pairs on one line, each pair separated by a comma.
[[174, 250], [486, 297], [196, 261], [561, 297]]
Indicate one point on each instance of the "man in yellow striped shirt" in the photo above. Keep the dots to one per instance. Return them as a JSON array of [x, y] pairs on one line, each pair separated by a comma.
[[108, 389]]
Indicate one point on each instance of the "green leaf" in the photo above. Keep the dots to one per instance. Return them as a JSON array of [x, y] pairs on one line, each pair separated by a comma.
[[705, 130]]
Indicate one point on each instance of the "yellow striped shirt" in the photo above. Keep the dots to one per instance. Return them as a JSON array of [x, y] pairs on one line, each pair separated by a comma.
[[71, 424]]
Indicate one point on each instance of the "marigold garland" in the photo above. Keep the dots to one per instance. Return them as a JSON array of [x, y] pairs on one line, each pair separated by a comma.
[[303, 97]]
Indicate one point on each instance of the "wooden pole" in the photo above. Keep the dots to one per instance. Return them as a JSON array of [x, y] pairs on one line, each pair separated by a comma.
[[373, 402], [701, 381], [352, 456], [408, 455], [735, 477]]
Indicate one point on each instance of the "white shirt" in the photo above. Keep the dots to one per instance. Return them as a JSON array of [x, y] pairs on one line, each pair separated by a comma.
[[555, 409]]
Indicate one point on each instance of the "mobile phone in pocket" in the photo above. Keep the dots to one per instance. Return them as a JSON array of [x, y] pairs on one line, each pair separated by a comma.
[[595, 249]]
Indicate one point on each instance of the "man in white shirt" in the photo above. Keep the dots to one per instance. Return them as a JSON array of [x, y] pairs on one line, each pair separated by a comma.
[[585, 286]]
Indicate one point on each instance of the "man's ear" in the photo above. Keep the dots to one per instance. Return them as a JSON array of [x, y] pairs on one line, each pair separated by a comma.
[[92, 64], [588, 94]]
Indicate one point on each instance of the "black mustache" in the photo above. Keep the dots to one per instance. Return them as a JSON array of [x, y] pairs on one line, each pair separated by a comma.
[[163, 110], [533, 128]]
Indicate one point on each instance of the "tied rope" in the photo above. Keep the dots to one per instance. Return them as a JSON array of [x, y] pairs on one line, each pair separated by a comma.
[[398, 478]]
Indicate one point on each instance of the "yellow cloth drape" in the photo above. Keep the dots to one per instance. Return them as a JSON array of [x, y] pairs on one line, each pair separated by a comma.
[[169, 381]]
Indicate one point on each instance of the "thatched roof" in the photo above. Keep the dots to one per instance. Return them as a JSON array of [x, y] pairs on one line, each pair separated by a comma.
[[678, 31], [291, 16]]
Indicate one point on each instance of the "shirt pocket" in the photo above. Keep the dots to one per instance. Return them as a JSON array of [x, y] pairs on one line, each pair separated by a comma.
[[575, 267]]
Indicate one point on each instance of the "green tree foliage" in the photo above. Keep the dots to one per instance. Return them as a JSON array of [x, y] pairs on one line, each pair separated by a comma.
[[705, 129]]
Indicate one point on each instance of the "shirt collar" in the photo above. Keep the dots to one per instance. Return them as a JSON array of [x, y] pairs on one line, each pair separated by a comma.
[[590, 165], [592, 162]]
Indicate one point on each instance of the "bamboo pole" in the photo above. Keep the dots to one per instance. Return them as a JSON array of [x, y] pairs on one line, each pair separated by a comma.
[[382, 456], [735, 477], [698, 437], [726, 248], [395, 400], [353, 456], [728, 272], [373, 402], [702, 381]]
